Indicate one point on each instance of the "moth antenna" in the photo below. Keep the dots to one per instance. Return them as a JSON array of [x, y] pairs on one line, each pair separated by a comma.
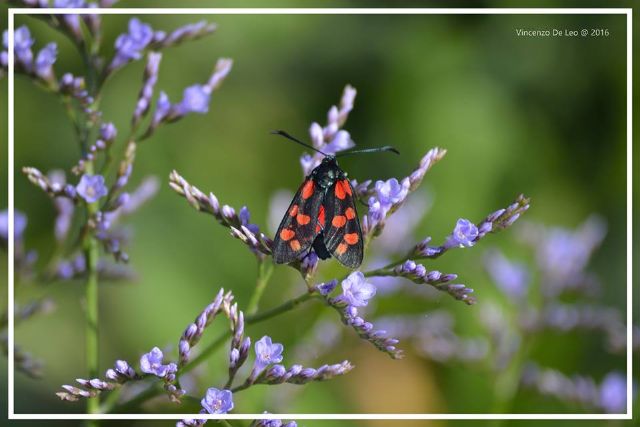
[[296, 140], [370, 150]]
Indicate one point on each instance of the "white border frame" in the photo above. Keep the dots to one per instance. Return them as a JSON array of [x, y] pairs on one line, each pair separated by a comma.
[[321, 11]]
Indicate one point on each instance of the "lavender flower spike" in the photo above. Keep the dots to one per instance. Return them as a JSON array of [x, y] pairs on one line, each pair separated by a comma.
[[149, 81], [52, 188], [120, 374], [129, 46], [195, 99], [192, 334], [220, 72], [272, 423], [330, 139], [226, 216], [364, 329], [217, 401], [44, 63], [298, 374], [466, 234], [22, 48], [184, 33]]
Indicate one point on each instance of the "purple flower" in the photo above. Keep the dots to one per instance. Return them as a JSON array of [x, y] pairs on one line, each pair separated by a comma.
[[72, 21], [327, 287], [391, 192], [340, 142], [195, 99], [45, 60], [69, 4], [463, 235], [376, 211], [511, 277], [149, 82], [151, 363], [613, 393], [23, 41], [245, 219], [19, 224], [273, 423], [130, 45], [356, 291], [91, 188], [108, 131], [267, 353], [217, 401]]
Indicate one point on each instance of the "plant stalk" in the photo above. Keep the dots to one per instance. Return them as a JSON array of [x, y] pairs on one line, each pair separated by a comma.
[[265, 269], [92, 253]]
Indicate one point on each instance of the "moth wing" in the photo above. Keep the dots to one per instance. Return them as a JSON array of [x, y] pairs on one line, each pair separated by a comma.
[[298, 227], [342, 232]]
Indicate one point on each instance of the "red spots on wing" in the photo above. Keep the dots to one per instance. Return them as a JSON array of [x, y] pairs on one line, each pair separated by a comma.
[[287, 234], [303, 219], [318, 228], [351, 238], [321, 215], [340, 191], [294, 210], [347, 187], [350, 213], [295, 245], [339, 221], [307, 190], [341, 249]]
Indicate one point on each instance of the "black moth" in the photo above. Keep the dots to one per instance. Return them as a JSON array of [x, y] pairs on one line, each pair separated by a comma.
[[322, 215]]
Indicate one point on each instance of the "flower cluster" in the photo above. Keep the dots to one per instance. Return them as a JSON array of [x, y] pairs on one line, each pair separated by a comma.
[[386, 197], [39, 67], [356, 292], [330, 139], [560, 267], [121, 373], [609, 396], [433, 336], [238, 223]]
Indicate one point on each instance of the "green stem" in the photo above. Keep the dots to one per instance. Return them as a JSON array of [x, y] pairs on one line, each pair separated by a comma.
[[265, 269], [289, 305], [110, 401], [91, 253], [134, 403]]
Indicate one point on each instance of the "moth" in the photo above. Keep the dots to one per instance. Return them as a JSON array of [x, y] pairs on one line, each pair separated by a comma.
[[322, 214]]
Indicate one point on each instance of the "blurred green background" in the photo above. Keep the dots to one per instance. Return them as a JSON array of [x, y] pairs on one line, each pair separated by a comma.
[[540, 116]]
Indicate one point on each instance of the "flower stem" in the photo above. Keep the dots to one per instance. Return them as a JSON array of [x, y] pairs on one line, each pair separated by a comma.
[[205, 353], [91, 253], [134, 403], [286, 306], [265, 269]]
